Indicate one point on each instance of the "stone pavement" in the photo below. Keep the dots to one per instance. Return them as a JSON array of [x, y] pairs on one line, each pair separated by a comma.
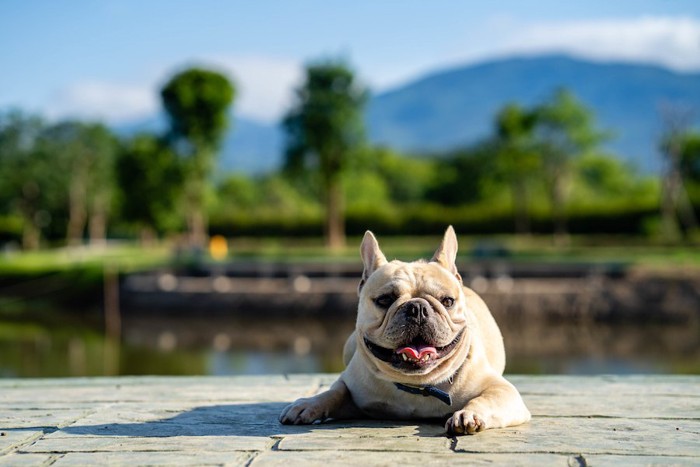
[[597, 420]]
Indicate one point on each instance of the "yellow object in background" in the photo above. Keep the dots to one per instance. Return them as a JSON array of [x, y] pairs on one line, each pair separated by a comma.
[[218, 247]]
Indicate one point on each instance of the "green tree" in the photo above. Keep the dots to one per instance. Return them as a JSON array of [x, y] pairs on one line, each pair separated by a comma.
[[679, 154], [241, 191], [603, 180], [269, 203], [689, 152], [366, 191], [517, 158], [197, 103], [102, 181], [29, 184], [150, 176], [461, 176], [84, 154], [325, 131], [408, 179], [690, 171], [564, 130]]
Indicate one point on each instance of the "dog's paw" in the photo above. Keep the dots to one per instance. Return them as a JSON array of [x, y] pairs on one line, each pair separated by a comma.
[[465, 422], [303, 412]]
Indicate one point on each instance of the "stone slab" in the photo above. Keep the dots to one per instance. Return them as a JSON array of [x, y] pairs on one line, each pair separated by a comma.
[[590, 435], [354, 458], [167, 443], [154, 458], [625, 420], [11, 439], [28, 460]]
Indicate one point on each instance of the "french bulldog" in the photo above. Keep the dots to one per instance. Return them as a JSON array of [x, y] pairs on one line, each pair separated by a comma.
[[424, 347]]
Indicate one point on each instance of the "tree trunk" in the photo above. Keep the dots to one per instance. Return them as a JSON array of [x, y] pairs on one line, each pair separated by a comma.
[[31, 235], [685, 206], [77, 214], [98, 223], [675, 204], [669, 194], [195, 196], [197, 226], [520, 205], [558, 201], [147, 236], [194, 215], [335, 216], [31, 232]]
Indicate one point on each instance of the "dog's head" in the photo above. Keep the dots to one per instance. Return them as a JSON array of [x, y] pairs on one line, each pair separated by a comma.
[[413, 321]]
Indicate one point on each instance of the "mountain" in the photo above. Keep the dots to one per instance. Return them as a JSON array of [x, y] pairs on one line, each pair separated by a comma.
[[453, 107], [252, 147], [249, 146], [155, 124]]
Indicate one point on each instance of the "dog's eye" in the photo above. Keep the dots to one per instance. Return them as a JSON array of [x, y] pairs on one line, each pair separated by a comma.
[[447, 302], [385, 301]]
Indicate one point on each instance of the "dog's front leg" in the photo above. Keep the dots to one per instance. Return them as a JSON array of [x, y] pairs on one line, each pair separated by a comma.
[[499, 405], [334, 403]]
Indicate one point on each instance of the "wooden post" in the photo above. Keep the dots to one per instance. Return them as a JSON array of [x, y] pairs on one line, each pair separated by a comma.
[[113, 321]]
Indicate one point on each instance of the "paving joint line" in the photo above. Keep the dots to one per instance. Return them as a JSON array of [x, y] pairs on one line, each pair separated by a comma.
[[18, 447], [453, 443], [53, 459]]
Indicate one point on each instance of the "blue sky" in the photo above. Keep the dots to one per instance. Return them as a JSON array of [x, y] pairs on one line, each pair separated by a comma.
[[107, 59]]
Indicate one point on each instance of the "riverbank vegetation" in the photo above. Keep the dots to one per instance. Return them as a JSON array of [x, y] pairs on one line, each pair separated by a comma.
[[631, 251]]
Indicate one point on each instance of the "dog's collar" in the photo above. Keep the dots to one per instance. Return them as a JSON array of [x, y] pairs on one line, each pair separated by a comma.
[[426, 391]]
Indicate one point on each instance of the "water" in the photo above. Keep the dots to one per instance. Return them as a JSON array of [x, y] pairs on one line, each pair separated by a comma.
[[220, 345]]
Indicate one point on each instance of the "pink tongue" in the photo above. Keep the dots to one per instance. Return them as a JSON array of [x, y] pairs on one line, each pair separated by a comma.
[[417, 354]]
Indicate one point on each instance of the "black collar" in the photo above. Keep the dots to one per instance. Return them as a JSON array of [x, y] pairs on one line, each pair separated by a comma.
[[426, 391]]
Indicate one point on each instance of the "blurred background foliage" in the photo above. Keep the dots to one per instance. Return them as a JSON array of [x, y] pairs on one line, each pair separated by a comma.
[[542, 170]]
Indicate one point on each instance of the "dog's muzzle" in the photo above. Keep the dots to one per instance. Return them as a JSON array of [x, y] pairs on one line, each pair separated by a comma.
[[414, 355]]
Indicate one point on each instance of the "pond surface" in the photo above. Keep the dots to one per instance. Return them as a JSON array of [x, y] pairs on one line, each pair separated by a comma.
[[152, 344]]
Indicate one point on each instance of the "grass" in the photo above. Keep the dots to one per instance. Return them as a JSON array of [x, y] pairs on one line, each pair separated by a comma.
[[124, 257], [71, 278], [128, 257], [634, 251]]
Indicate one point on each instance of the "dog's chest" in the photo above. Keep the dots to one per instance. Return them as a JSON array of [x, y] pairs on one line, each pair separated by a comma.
[[388, 401]]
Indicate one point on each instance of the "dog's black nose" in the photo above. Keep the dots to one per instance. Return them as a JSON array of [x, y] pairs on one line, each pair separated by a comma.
[[416, 311]]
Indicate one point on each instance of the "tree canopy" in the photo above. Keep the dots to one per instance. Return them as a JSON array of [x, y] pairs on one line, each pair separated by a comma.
[[151, 177], [518, 159], [197, 103], [541, 165], [564, 130], [325, 131]]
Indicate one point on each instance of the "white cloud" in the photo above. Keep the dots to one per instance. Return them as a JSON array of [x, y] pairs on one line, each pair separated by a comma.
[[669, 41], [672, 42], [111, 102], [264, 91], [265, 85]]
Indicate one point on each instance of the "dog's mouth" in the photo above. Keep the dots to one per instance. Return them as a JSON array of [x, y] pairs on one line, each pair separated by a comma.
[[414, 355]]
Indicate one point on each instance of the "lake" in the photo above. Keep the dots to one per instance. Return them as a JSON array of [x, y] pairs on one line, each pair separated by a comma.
[[58, 345]]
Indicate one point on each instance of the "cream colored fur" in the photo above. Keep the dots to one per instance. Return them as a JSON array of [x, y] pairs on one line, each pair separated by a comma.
[[472, 371]]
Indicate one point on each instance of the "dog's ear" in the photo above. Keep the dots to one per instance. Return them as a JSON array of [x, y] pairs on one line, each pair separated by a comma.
[[446, 254], [372, 257]]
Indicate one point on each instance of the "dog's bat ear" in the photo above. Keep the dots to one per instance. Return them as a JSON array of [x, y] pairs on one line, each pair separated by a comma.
[[372, 256], [446, 254]]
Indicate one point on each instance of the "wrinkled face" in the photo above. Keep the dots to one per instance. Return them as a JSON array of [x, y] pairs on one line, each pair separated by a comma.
[[413, 321]]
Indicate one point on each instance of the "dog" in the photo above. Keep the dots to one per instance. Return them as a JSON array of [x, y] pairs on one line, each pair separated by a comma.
[[424, 347]]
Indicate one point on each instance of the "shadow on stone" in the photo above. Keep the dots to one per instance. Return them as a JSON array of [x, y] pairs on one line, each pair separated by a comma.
[[432, 428], [256, 419]]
